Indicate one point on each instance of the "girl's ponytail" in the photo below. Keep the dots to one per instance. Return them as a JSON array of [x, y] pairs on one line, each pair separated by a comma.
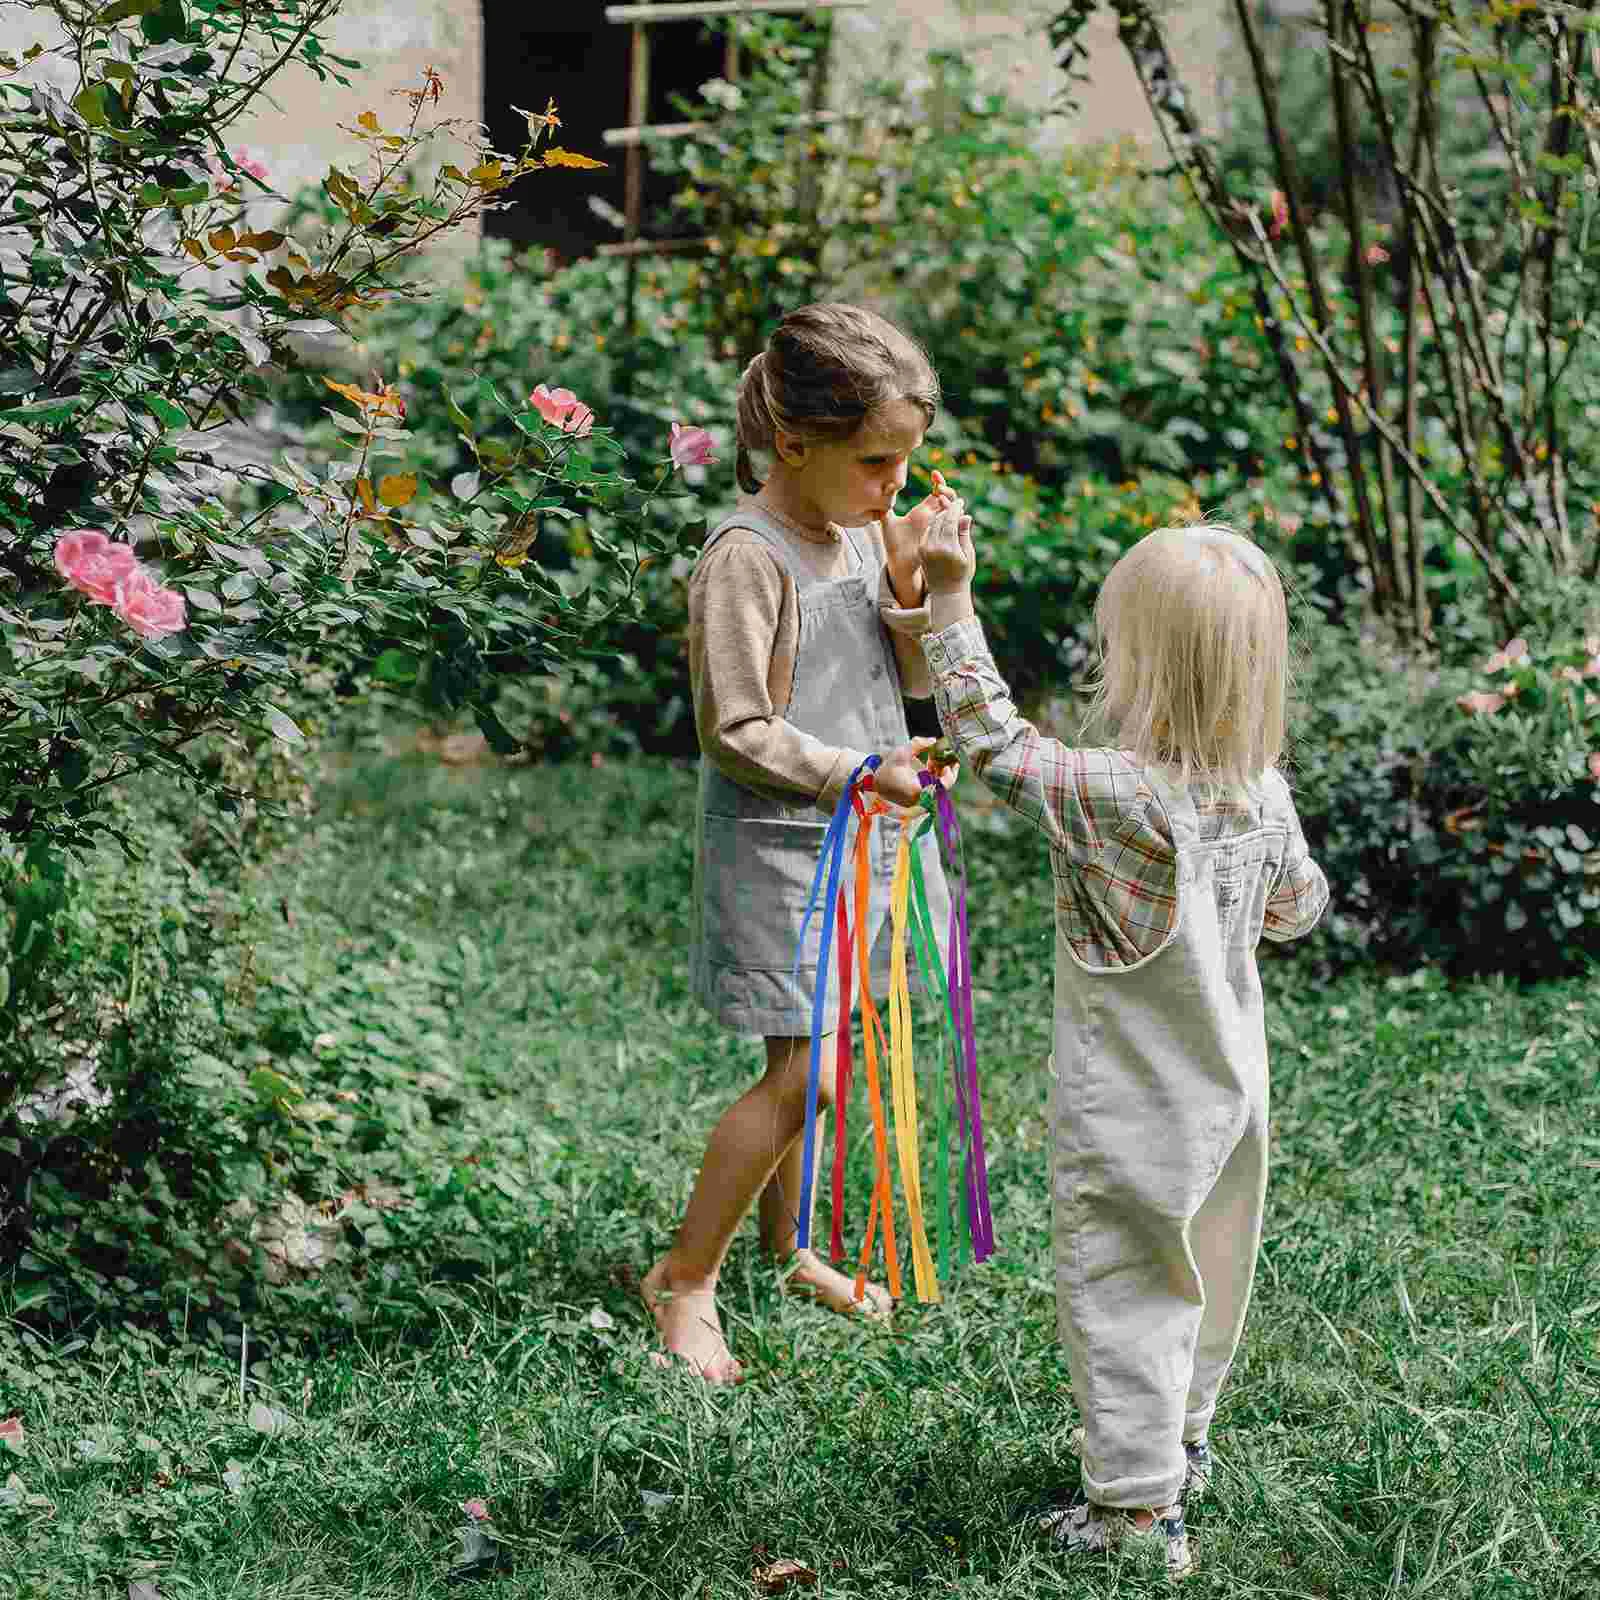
[[755, 429]]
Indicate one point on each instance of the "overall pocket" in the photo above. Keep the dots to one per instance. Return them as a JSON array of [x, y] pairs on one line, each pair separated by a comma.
[[756, 878]]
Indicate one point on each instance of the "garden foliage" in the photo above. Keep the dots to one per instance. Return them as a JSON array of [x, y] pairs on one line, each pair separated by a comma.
[[144, 607], [1442, 298]]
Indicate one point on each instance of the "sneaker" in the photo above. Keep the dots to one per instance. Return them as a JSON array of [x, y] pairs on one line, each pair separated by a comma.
[[1197, 1477], [1084, 1529]]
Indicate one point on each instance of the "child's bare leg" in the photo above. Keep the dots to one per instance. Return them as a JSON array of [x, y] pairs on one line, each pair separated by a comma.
[[744, 1148], [780, 1215]]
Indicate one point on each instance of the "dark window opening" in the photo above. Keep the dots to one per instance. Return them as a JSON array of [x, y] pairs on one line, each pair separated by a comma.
[[582, 62]]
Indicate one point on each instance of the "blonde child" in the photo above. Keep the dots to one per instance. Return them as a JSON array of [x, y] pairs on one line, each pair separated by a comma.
[[1174, 849], [804, 611]]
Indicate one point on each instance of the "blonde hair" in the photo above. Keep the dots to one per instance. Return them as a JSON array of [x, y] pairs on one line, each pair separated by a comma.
[[826, 368], [1194, 656]]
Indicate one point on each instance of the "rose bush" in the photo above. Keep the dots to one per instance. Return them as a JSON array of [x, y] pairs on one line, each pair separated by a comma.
[[156, 589]]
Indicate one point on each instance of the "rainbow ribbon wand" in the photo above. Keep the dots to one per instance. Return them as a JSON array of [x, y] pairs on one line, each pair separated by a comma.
[[828, 862], [922, 942]]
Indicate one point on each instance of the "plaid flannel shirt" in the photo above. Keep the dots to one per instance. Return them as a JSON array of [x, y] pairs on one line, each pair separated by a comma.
[[1112, 853]]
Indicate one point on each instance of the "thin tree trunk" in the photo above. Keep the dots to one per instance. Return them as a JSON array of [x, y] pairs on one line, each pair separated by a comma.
[[1289, 177], [1340, 17], [1426, 33]]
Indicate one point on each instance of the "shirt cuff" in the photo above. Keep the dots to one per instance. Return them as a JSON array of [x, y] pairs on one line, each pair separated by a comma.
[[903, 619], [844, 765], [952, 647]]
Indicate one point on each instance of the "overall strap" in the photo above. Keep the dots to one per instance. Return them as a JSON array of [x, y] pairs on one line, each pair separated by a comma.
[[750, 522], [1178, 802], [753, 521]]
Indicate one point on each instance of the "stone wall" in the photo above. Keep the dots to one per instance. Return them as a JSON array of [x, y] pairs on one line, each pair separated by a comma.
[[1007, 40], [298, 133]]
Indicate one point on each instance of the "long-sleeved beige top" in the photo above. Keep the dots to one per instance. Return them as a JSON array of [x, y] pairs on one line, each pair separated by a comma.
[[744, 631]]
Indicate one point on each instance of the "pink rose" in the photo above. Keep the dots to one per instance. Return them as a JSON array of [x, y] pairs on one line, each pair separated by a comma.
[[225, 182], [147, 608], [1594, 765], [476, 1509], [691, 447], [1280, 214], [11, 1433], [562, 409], [1480, 703], [247, 162], [89, 561]]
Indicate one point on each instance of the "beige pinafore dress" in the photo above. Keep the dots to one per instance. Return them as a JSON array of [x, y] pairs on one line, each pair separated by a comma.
[[756, 854]]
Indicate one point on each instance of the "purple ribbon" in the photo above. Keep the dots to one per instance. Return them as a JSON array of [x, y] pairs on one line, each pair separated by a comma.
[[969, 1103], [964, 1048]]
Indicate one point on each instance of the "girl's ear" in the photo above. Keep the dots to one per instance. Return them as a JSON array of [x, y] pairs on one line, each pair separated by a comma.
[[791, 451]]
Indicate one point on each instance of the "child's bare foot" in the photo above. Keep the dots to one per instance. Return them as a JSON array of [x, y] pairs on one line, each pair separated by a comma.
[[807, 1273], [689, 1326]]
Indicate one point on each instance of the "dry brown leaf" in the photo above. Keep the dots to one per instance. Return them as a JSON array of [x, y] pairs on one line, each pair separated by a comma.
[[779, 1576]]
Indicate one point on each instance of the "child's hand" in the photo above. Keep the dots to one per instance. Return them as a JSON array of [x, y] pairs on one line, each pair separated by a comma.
[[896, 777], [948, 560], [902, 536]]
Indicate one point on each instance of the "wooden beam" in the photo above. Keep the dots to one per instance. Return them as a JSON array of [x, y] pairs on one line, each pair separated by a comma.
[[638, 110], [651, 247], [682, 130], [724, 8]]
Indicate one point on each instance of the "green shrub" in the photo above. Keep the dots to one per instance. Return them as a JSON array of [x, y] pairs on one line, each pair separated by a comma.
[[125, 351], [123, 964], [1455, 807]]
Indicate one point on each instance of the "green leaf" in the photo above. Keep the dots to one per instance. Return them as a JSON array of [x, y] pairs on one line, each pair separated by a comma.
[[121, 10], [173, 416], [164, 21], [46, 412], [272, 1085], [283, 727], [90, 104], [73, 767], [457, 415], [396, 666], [501, 739]]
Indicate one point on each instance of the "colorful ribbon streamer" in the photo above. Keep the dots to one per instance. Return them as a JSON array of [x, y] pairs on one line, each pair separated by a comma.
[[909, 913]]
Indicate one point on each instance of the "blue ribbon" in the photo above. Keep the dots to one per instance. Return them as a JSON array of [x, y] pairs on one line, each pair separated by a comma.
[[828, 862]]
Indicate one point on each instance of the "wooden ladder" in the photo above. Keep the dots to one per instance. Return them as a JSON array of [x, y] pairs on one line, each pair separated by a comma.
[[634, 137]]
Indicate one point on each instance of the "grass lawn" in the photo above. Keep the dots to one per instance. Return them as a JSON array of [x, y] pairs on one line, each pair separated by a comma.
[[1415, 1410]]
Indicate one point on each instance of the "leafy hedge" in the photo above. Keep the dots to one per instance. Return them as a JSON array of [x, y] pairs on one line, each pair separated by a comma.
[[1456, 809]]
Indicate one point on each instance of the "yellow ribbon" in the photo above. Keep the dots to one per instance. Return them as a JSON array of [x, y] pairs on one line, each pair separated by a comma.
[[903, 1076]]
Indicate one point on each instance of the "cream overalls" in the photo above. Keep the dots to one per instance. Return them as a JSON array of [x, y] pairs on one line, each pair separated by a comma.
[[1161, 1160]]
